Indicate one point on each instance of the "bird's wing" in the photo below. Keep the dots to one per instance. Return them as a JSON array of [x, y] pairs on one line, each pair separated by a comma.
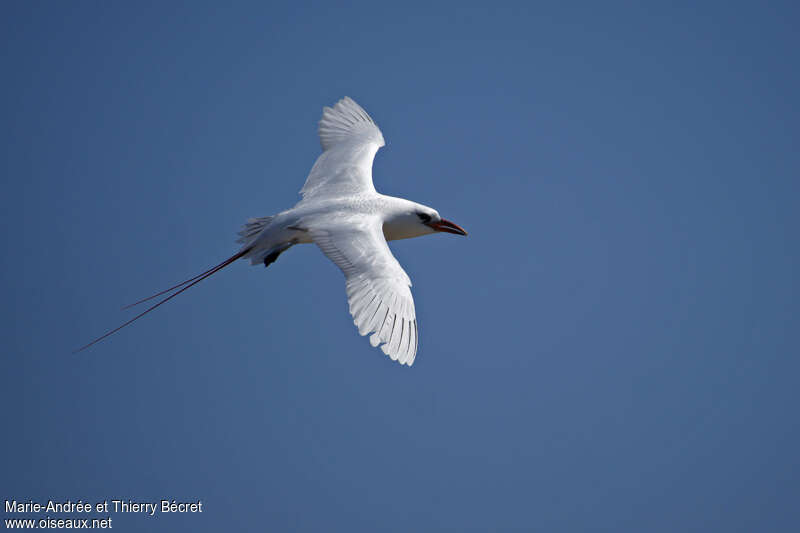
[[378, 289], [349, 141]]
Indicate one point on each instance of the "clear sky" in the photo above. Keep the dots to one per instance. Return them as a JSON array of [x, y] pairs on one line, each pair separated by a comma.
[[613, 348]]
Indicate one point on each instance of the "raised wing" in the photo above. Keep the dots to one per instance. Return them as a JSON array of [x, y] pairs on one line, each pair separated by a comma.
[[349, 139], [378, 289]]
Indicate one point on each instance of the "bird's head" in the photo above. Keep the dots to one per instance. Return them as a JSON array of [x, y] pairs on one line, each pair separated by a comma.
[[432, 220], [416, 220]]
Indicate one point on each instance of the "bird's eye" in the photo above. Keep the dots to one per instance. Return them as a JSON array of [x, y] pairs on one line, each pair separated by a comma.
[[424, 217]]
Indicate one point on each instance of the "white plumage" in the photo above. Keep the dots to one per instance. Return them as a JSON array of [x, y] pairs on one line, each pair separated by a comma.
[[378, 289], [343, 214]]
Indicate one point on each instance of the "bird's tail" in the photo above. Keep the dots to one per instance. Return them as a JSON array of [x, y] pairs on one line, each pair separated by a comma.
[[188, 283], [252, 228]]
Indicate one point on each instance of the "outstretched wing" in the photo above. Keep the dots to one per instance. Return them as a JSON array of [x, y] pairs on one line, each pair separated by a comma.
[[378, 289], [349, 139]]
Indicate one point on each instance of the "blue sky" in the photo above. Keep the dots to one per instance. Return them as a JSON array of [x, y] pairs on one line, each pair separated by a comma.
[[613, 347]]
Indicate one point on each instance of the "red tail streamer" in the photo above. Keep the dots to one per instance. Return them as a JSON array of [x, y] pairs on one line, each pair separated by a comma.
[[191, 282]]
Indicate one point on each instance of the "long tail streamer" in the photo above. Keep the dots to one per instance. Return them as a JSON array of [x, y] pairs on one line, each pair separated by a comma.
[[191, 282], [181, 284]]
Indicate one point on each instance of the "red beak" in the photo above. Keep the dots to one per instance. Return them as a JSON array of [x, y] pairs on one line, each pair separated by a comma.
[[448, 227]]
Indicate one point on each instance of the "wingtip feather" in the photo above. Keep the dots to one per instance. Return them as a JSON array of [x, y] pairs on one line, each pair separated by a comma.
[[347, 120]]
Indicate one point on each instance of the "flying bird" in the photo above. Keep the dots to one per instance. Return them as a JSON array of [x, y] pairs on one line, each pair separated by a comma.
[[342, 213]]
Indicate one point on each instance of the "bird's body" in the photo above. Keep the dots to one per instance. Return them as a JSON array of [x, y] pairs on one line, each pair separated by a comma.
[[295, 225], [343, 214]]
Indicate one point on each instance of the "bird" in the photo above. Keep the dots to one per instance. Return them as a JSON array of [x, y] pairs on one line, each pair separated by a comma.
[[341, 212]]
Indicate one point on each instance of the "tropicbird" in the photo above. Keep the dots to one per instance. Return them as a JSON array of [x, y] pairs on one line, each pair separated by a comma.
[[342, 213]]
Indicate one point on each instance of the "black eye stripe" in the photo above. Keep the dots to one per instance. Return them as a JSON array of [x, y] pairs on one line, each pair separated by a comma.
[[424, 217]]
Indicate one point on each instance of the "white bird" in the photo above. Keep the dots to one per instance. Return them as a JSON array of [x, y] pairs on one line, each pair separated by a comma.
[[343, 214]]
